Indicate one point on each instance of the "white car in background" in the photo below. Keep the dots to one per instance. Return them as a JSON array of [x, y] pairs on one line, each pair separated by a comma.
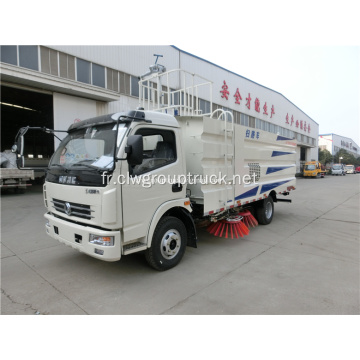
[[350, 169], [338, 169]]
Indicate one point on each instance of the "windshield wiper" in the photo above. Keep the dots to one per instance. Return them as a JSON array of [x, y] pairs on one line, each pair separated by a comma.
[[61, 166], [92, 167]]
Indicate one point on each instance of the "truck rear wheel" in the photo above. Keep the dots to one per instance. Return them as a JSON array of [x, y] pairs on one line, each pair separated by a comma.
[[168, 244], [265, 211]]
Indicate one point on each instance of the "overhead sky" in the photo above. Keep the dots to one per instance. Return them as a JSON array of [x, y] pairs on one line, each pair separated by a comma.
[[306, 50], [323, 81]]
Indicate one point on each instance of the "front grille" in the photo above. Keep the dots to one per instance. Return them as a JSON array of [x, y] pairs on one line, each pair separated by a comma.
[[72, 209]]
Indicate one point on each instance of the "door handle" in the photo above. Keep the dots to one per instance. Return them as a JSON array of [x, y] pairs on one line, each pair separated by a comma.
[[177, 187]]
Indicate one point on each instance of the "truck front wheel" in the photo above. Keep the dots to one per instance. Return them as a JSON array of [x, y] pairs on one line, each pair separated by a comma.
[[265, 211], [168, 244]]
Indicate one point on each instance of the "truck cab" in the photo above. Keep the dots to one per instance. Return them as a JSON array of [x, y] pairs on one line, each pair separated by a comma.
[[338, 169], [313, 169], [105, 193]]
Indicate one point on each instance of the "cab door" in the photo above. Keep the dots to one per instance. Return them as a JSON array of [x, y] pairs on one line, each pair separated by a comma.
[[153, 182]]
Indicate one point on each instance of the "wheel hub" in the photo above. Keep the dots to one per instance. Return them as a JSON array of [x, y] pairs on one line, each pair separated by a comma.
[[268, 210], [170, 244]]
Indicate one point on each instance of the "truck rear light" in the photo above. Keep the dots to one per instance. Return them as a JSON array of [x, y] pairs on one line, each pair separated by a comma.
[[101, 240]]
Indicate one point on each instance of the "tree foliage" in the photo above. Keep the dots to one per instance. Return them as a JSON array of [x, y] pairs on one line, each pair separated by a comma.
[[325, 156], [347, 158]]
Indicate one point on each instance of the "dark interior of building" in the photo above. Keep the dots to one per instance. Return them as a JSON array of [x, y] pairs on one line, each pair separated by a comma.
[[20, 108]]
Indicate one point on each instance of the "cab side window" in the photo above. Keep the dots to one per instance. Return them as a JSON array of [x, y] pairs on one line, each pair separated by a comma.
[[159, 149]]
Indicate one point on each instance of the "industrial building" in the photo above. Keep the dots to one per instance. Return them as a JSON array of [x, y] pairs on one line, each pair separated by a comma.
[[55, 86], [333, 143]]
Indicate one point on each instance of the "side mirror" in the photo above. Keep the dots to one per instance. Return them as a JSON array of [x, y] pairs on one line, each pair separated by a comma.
[[134, 150], [18, 149], [28, 163]]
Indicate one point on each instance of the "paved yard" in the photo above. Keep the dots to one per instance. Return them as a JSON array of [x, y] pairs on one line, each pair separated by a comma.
[[305, 262]]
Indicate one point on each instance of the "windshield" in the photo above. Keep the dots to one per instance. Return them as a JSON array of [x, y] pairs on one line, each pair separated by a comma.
[[348, 167], [337, 167], [91, 147], [310, 167]]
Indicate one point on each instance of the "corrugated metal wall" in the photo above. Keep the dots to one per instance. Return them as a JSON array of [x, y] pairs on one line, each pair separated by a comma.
[[135, 60]]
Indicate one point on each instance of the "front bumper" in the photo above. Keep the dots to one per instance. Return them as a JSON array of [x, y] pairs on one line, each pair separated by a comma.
[[77, 236]]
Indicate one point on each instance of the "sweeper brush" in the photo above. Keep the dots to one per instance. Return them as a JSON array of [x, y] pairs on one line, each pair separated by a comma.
[[231, 226], [248, 218]]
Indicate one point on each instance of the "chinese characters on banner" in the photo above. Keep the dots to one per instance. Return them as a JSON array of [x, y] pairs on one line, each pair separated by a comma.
[[224, 91], [302, 125], [225, 95]]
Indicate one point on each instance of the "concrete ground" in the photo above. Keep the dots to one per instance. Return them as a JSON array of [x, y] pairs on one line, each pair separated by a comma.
[[305, 262]]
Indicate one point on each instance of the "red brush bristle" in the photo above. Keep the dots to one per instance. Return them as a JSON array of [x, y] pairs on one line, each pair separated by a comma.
[[248, 218], [236, 232], [244, 229], [234, 226], [239, 229], [212, 228]]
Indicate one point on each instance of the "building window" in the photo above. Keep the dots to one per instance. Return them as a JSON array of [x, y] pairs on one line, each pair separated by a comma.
[[227, 116], [112, 79], [28, 57], [98, 75], [244, 120], [215, 107], [124, 83], [204, 106], [134, 86], [264, 125], [49, 61], [236, 117], [251, 121], [175, 97], [164, 95], [9, 54], [146, 89], [83, 71], [67, 66]]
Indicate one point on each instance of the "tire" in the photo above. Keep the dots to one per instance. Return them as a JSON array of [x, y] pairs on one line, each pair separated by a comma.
[[168, 244], [265, 211]]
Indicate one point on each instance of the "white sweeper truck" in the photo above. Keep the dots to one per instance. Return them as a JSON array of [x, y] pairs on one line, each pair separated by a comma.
[[144, 180]]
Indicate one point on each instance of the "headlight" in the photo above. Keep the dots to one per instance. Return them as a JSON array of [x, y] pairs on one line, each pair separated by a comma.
[[101, 240]]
